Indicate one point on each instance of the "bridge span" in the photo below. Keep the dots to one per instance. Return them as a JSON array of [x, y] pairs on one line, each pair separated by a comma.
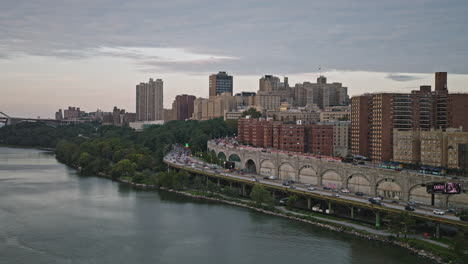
[[7, 120], [391, 184]]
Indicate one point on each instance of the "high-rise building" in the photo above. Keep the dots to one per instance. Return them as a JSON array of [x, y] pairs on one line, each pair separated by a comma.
[[59, 115], [220, 83], [322, 94], [441, 81], [149, 100], [183, 106], [73, 113], [457, 110], [375, 116], [360, 125], [270, 85]]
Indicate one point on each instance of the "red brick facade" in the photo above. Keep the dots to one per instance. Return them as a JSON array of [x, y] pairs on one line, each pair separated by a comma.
[[315, 139]]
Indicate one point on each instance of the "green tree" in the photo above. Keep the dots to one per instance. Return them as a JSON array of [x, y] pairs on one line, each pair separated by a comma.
[[123, 168], [408, 223], [395, 224], [460, 246], [291, 201], [260, 195], [252, 112], [181, 180]]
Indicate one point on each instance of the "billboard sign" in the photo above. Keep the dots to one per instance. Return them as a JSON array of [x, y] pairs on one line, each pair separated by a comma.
[[452, 188], [444, 188], [438, 187]]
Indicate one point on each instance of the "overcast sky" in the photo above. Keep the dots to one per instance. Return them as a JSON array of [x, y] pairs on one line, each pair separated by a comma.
[[92, 53]]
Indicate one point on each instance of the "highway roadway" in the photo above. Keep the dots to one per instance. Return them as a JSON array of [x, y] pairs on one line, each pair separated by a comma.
[[179, 157]]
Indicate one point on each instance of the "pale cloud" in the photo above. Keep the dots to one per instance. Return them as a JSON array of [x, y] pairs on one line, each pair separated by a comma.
[[402, 77]]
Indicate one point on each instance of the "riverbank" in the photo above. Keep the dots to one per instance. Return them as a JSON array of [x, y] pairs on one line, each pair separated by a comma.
[[416, 246]]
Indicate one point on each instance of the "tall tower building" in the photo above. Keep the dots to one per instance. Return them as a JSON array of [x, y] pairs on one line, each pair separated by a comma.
[[220, 83], [441, 81], [183, 106], [149, 100]]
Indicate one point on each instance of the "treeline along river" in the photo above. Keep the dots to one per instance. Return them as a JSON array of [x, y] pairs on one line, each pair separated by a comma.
[[50, 214]]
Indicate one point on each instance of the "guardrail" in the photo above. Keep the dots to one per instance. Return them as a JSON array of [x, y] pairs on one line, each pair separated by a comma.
[[322, 197]]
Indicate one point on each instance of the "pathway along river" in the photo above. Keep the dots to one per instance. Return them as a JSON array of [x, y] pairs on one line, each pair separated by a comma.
[[50, 214]]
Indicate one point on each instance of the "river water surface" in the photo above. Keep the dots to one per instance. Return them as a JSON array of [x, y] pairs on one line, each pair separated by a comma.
[[49, 214]]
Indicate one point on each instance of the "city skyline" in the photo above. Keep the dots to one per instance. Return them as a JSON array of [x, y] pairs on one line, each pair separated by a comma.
[[51, 58]]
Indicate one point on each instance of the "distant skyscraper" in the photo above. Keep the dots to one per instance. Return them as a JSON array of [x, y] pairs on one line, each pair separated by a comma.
[[441, 81], [220, 83], [183, 106], [149, 100]]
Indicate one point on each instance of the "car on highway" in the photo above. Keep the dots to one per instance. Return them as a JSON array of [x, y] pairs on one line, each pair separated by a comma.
[[345, 191], [359, 193], [438, 212], [413, 204], [395, 202], [285, 183], [374, 201], [292, 187], [451, 211], [284, 201], [335, 195], [310, 188], [409, 208], [326, 188]]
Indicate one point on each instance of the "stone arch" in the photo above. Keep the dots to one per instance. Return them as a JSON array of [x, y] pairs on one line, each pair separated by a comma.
[[213, 153], [418, 193], [359, 183], [307, 174], [221, 156], [267, 168], [331, 178], [236, 159], [250, 166], [458, 200], [389, 188], [286, 171]]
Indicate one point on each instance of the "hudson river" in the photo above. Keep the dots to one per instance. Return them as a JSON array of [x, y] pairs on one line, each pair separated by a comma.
[[50, 214]]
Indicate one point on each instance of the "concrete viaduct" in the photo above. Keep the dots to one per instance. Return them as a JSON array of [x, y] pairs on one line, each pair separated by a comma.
[[398, 185]]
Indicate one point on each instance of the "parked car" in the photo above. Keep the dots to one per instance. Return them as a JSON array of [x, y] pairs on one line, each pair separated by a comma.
[[409, 208], [438, 212], [359, 193]]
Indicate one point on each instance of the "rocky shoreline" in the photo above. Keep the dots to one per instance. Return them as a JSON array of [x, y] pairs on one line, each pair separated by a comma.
[[407, 246]]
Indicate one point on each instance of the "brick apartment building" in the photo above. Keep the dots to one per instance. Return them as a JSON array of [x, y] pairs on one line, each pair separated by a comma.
[[296, 137], [374, 117]]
